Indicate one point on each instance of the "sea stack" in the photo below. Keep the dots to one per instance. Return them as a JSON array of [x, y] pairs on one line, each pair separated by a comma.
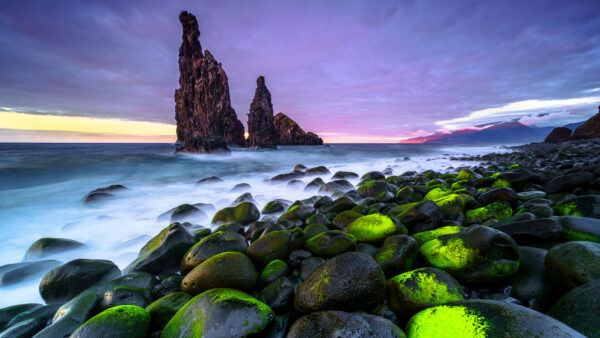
[[290, 132], [590, 129], [560, 134], [206, 122], [261, 126]]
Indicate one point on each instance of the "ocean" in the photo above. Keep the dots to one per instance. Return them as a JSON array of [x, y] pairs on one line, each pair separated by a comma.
[[42, 186]]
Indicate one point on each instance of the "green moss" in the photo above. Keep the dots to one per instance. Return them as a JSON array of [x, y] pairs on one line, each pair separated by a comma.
[[422, 288], [317, 287], [514, 166], [498, 210], [331, 243], [437, 193], [572, 235], [373, 228], [500, 183], [460, 185], [427, 236], [453, 204], [466, 175], [275, 267], [435, 182], [119, 321], [568, 209], [495, 175], [449, 321], [453, 254]]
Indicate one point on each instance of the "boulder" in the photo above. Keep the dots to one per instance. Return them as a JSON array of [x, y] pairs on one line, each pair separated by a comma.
[[278, 295], [261, 126], [336, 186], [219, 313], [9, 313], [11, 274], [497, 210], [557, 135], [125, 321], [275, 245], [126, 295], [163, 309], [297, 212], [374, 228], [330, 243], [541, 230], [568, 182], [421, 216], [168, 284], [44, 247], [273, 271], [580, 309], [580, 228], [531, 284], [397, 254], [334, 324], [243, 213], [573, 263], [586, 206], [320, 170], [211, 245], [188, 212], [349, 282], [278, 205], [26, 328]]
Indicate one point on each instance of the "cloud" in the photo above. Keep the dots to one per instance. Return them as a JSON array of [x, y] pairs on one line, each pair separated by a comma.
[[518, 110]]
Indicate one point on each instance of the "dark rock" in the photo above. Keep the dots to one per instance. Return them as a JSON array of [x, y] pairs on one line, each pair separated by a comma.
[[374, 228], [373, 175], [125, 321], [66, 281], [296, 257], [334, 324], [349, 281], [225, 270], [219, 313], [560, 134], [8, 313], [397, 254], [345, 218], [167, 286], [102, 194], [241, 187], [531, 284], [231, 227], [261, 126], [580, 228], [44, 247], [336, 186], [243, 213], [331, 243], [366, 248], [374, 189], [590, 129], [43, 312], [164, 308], [71, 315], [163, 253], [309, 265], [206, 122], [275, 245], [580, 309], [24, 329], [573, 263], [187, 212], [272, 271], [278, 205], [477, 255], [278, 295], [586, 206], [341, 175], [216, 243], [297, 212], [126, 295], [11, 274], [320, 170], [485, 318], [421, 217], [245, 197], [313, 230], [499, 194], [211, 179], [314, 184], [290, 132], [340, 204], [541, 230], [568, 182], [287, 176]]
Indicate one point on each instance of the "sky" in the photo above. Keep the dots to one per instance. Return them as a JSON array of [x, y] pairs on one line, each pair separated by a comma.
[[352, 71]]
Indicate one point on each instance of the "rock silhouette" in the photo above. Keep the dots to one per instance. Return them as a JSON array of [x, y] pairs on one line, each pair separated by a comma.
[[290, 132], [590, 129], [261, 127], [559, 134]]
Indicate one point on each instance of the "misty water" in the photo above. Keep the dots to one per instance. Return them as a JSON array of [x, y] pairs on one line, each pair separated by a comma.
[[42, 186]]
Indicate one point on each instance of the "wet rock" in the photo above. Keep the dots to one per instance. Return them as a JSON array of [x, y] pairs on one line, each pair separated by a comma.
[[126, 295], [44, 247], [275, 206], [272, 271], [163, 309], [332, 324], [66, 281], [261, 126], [314, 229], [499, 194], [102, 194], [278, 295], [568, 182], [43, 313], [337, 186], [219, 313], [349, 281], [206, 122], [419, 217], [287, 177], [541, 230], [188, 212], [338, 205], [10, 312], [580, 228], [529, 195], [167, 286], [211, 179], [26, 328], [413, 291], [275, 245], [496, 210], [320, 170], [216, 243], [586, 206], [397, 254], [245, 197], [297, 212], [485, 318], [309, 265], [573, 263], [125, 321], [163, 253], [366, 248], [315, 184], [559, 134], [476, 255], [374, 228], [580, 309], [241, 187], [226, 270], [290, 132], [11, 274], [331, 243], [344, 175], [243, 213], [71, 315], [531, 284]]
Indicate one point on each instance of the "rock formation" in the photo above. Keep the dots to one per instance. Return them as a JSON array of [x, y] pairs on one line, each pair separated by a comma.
[[559, 134], [290, 132], [261, 128], [206, 122], [590, 129]]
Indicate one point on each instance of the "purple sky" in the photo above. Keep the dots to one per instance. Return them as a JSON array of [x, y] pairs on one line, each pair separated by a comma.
[[385, 69]]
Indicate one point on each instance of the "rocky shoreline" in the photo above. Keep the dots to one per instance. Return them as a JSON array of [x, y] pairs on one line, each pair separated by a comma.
[[507, 247]]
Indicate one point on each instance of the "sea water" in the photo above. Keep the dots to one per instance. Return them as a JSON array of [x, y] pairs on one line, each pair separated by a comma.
[[42, 186]]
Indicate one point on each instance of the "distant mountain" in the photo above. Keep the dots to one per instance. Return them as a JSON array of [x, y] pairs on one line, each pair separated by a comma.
[[500, 133]]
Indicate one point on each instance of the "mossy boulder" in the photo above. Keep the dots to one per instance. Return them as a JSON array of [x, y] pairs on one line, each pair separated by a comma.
[[350, 281], [297, 212], [426, 236], [343, 324], [66, 281], [418, 217], [397, 254], [580, 309], [188, 212], [163, 309], [476, 255], [320, 170], [275, 206], [272, 271], [314, 229], [45, 247], [344, 174], [125, 321], [345, 218], [163, 252], [243, 213], [437, 193], [498, 210], [314, 184], [216, 243], [373, 188], [275, 245], [374, 228], [337, 186], [126, 295], [580, 228], [340, 204], [452, 205], [413, 291], [219, 312], [225, 270], [485, 318], [467, 175], [330, 243], [573, 263]]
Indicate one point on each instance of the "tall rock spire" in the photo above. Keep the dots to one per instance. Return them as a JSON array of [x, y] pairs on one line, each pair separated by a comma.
[[206, 122], [261, 127]]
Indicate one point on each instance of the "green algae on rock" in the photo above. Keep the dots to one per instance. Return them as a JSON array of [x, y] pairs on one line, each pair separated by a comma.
[[453, 205], [243, 213], [498, 210], [331, 243], [580, 228], [374, 228], [476, 255], [163, 309], [219, 312], [275, 245], [213, 244], [413, 291], [426, 236], [272, 271], [397, 254], [125, 321]]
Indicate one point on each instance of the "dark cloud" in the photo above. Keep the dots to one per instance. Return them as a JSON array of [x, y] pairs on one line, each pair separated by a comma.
[[358, 67]]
